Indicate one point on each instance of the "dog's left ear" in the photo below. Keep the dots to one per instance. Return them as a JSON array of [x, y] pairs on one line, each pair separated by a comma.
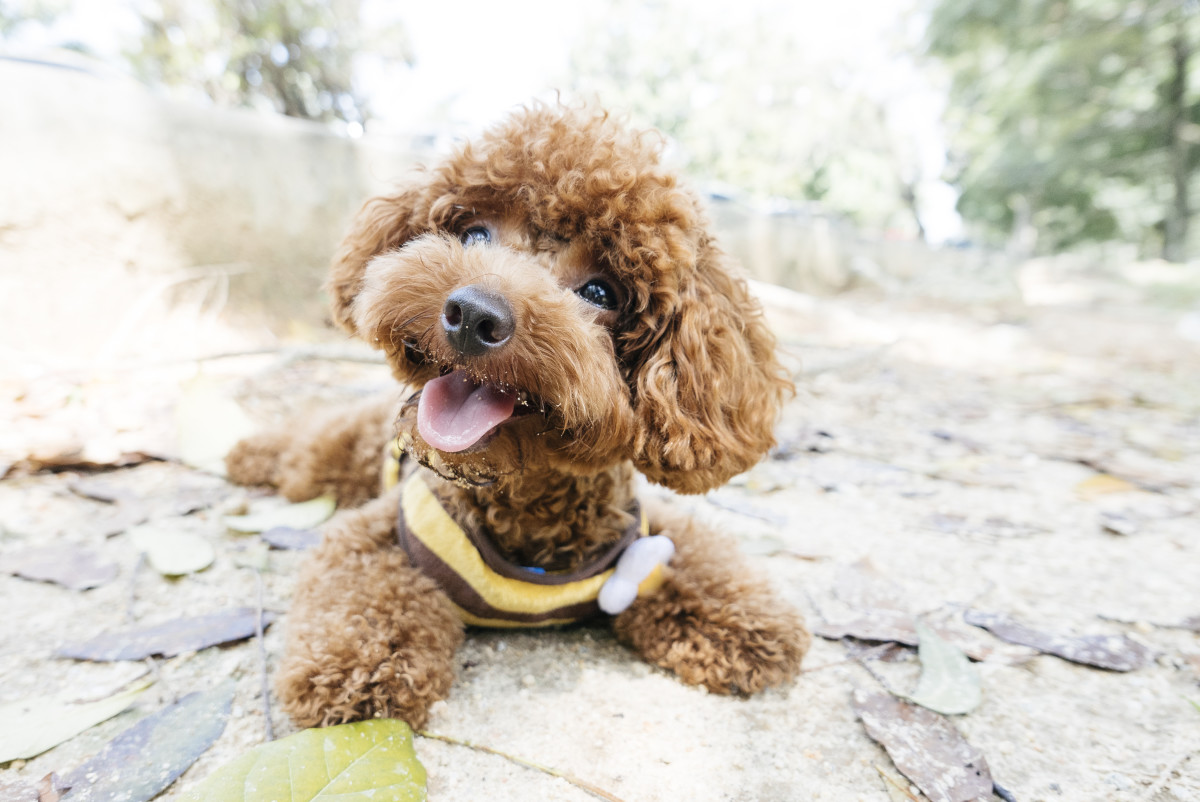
[[709, 389], [382, 224]]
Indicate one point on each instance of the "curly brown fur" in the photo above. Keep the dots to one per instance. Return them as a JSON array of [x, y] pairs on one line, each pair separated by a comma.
[[369, 636], [625, 342]]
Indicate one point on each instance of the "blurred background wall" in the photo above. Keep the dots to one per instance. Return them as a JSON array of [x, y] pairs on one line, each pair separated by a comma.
[[181, 168]]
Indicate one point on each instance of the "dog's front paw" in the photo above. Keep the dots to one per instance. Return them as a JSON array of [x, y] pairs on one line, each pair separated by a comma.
[[255, 459], [323, 690], [741, 643]]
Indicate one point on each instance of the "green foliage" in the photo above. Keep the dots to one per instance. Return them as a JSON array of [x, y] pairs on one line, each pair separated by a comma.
[[745, 106], [15, 13], [1067, 116], [292, 56]]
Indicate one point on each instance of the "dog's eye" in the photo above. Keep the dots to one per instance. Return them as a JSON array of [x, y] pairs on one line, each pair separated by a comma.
[[598, 292], [476, 235]]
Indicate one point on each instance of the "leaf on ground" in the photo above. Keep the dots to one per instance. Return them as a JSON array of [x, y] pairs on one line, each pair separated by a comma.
[[146, 758], [30, 727], [892, 626], [169, 638], [50, 788], [1101, 485], [67, 564], [926, 748], [15, 790], [1114, 652], [209, 425], [76, 456], [172, 553], [121, 517], [99, 490], [305, 515], [949, 683], [875, 625], [289, 538], [369, 760]]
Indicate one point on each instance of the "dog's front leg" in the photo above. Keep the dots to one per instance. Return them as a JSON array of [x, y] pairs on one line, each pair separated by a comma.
[[368, 636], [713, 622]]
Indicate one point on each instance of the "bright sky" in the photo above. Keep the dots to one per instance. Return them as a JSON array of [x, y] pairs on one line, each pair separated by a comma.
[[477, 59]]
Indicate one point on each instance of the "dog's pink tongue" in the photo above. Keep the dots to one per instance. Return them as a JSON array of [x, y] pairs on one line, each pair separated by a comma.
[[455, 411]]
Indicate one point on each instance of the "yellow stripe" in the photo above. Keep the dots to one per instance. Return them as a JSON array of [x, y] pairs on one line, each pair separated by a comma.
[[504, 623], [653, 581], [434, 527], [391, 465]]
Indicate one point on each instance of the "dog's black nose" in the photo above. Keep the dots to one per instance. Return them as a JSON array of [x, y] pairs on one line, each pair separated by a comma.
[[477, 319]]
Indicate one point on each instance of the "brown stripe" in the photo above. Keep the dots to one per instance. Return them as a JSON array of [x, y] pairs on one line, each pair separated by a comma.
[[465, 596], [493, 559]]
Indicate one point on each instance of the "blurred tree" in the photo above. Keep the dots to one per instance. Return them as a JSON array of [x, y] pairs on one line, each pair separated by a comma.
[[293, 56], [15, 13], [1073, 120], [744, 106]]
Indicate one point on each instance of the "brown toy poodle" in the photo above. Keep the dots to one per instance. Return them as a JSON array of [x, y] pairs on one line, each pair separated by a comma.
[[560, 317]]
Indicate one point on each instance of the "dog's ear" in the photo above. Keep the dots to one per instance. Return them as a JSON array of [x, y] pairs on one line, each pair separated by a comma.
[[709, 389], [382, 224]]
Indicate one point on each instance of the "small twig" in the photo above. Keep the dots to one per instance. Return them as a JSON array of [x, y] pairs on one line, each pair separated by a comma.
[[887, 778], [262, 660], [132, 598], [575, 781]]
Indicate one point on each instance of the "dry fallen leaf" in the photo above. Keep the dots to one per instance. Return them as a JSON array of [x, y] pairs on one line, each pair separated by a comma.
[[874, 625], [209, 424], [949, 683], [50, 788], [31, 726], [66, 564], [1114, 652], [304, 515], [143, 760], [288, 538], [15, 790], [172, 553], [1102, 484], [926, 748], [168, 638]]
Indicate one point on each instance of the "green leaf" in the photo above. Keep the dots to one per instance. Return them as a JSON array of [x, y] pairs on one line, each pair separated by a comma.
[[32, 726], [172, 553], [305, 515], [209, 425], [949, 682], [369, 760]]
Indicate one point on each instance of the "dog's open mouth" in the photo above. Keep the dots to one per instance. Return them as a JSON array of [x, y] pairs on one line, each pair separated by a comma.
[[456, 411]]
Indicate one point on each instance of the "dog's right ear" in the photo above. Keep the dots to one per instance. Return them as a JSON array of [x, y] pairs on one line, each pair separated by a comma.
[[383, 224]]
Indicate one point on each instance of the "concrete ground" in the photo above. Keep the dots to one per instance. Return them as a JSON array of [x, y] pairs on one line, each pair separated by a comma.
[[955, 450]]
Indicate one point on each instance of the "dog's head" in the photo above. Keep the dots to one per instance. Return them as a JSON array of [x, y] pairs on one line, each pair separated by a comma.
[[559, 302]]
